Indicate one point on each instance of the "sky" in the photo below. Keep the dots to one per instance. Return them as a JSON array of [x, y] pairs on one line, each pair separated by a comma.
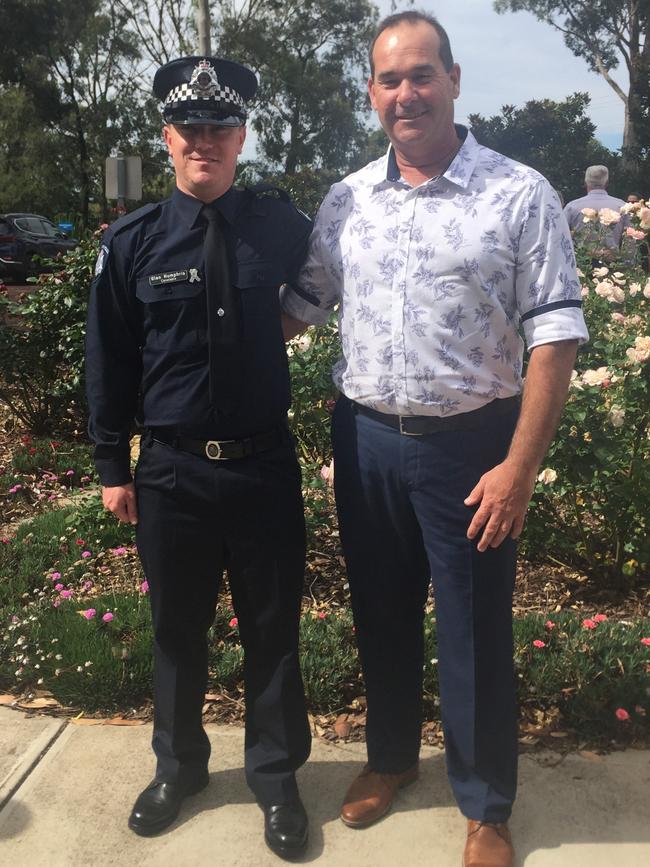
[[512, 58]]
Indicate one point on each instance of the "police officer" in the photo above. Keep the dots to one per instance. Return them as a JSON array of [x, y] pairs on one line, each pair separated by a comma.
[[185, 331]]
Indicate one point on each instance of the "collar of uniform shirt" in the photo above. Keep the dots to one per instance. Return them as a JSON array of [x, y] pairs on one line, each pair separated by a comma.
[[190, 208], [458, 172]]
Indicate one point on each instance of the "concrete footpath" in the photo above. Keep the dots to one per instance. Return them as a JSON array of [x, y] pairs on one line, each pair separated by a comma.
[[66, 792]]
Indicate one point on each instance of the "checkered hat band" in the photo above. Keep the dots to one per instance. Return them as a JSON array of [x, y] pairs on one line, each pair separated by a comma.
[[186, 93]]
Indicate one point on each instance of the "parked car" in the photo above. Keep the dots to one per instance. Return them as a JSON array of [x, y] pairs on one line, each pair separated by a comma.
[[23, 237]]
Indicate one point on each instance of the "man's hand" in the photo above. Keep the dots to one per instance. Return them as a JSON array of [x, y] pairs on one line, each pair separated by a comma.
[[120, 500], [504, 493]]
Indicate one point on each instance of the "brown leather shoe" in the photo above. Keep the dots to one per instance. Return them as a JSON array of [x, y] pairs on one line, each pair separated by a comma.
[[370, 796], [488, 845]]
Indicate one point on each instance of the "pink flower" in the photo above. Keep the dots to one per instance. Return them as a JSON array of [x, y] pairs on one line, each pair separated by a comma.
[[233, 622], [69, 472], [14, 489], [107, 617], [646, 641], [622, 714], [600, 617], [55, 576], [119, 551], [4, 540], [79, 542], [66, 594], [89, 613], [87, 585], [58, 586], [589, 624], [539, 643], [86, 554], [144, 587], [322, 615], [549, 624], [56, 603]]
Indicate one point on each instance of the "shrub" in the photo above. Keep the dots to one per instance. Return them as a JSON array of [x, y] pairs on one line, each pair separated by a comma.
[[311, 357], [590, 674], [328, 657], [592, 501], [42, 346]]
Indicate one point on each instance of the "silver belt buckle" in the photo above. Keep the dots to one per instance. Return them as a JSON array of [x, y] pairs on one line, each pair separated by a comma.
[[213, 450], [406, 433]]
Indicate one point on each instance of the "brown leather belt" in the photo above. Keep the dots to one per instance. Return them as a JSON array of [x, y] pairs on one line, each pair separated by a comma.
[[420, 425], [222, 450]]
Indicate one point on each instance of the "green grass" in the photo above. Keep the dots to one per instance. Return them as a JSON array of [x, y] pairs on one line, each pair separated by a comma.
[[49, 543]]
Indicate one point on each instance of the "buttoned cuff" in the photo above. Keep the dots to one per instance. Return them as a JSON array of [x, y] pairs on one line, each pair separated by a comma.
[[563, 323], [295, 304], [113, 466]]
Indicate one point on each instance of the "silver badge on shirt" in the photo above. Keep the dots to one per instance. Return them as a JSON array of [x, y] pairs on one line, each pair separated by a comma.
[[101, 260]]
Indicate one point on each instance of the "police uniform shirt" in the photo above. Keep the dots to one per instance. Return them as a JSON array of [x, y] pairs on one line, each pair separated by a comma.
[[147, 337]]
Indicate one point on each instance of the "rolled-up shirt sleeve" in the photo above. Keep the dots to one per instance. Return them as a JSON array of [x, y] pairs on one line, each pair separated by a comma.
[[316, 292], [549, 295]]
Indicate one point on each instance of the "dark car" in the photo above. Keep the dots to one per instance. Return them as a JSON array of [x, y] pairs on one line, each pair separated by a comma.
[[24, 238]]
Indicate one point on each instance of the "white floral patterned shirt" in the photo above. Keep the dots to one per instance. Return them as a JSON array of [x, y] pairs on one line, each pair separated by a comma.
[[434, 282]]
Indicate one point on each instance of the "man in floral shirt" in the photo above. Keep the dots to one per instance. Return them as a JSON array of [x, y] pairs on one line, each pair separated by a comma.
[[440, 255]]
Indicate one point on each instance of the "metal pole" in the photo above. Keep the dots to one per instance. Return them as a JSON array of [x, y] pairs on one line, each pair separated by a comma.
[[121, 183], [203, 27]]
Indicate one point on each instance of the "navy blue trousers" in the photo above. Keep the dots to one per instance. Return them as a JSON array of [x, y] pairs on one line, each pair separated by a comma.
[[403, 525], [197, 517]]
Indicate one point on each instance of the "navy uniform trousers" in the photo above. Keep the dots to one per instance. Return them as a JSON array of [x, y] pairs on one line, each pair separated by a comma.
[[196, 518], [403, 525]]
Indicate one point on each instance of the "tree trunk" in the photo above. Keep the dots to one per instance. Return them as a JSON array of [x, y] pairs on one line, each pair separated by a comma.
[[291, 162]]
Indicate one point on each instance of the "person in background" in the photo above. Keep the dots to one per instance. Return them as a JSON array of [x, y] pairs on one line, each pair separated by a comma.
[[603, 240]]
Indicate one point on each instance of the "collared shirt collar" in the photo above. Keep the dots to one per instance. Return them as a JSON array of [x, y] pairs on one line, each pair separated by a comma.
[[459, 171], [190, 207]]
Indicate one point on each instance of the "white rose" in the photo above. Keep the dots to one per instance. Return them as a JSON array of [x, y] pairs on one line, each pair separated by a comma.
[[547, 476], [616, 416], [607, 217]]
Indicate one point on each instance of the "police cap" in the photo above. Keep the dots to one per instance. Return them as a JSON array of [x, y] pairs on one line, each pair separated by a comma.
[[204, 90]]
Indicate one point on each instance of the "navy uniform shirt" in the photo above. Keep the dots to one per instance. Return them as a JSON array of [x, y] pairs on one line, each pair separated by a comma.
[[147, 338]]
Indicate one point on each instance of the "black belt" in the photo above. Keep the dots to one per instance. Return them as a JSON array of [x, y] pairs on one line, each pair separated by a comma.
[[222, 450], [420, 425]]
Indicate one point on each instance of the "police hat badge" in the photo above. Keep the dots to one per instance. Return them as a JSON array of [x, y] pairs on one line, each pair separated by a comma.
[[204, 90]]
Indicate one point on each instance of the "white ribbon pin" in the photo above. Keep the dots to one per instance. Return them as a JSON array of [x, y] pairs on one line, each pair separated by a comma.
[[194, 275]]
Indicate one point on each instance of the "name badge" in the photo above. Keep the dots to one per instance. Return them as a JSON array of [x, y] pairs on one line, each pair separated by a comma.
[[168, 277]]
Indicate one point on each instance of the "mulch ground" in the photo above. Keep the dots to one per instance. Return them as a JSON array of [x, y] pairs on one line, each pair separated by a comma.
[[540, 587]]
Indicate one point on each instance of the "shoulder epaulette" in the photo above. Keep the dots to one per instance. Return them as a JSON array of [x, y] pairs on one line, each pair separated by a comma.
[[260, 189], [133, 217]]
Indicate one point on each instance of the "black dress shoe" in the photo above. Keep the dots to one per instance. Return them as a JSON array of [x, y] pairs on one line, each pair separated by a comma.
[[285, 829], [160, 803]]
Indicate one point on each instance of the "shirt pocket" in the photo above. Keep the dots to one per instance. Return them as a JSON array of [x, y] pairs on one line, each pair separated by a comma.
[[174, 314], [259, 283]]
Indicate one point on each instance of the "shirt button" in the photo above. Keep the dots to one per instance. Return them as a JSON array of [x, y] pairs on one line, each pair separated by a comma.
[[221, 312]]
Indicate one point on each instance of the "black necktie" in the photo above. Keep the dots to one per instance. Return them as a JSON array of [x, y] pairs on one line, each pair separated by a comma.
[[224, 327]]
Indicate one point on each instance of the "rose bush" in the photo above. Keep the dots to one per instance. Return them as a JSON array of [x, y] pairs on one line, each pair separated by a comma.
[[592, 499]]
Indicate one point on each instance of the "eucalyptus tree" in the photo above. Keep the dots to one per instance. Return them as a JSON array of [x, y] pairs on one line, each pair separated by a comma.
[[604, 32]]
